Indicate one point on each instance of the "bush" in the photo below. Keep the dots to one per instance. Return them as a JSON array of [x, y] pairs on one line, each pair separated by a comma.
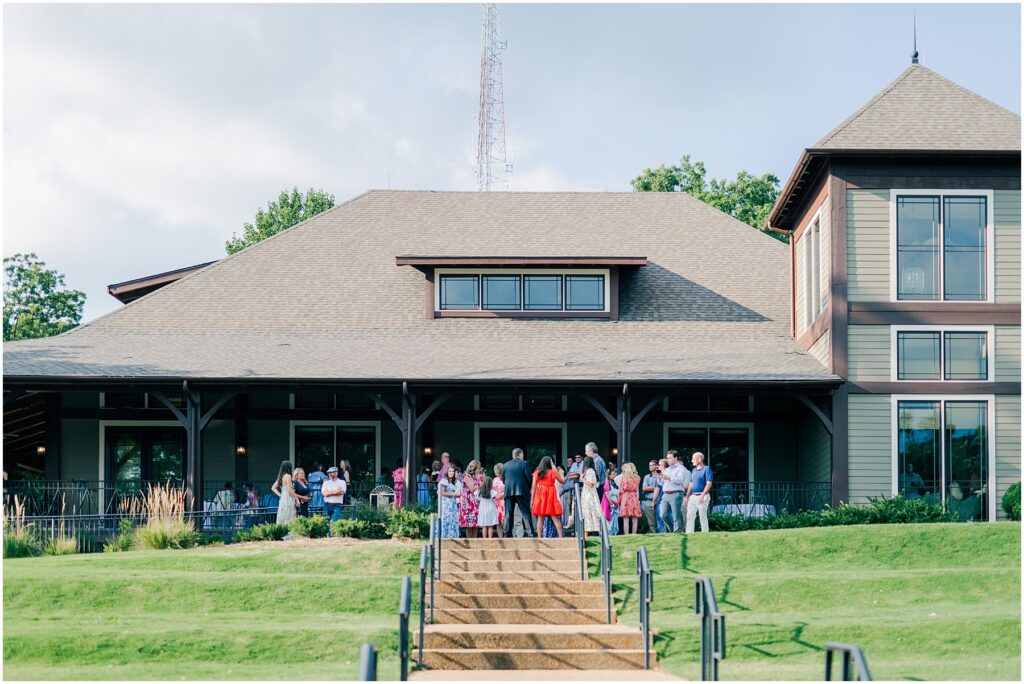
[[60, 545], [882, 511], [314, 527], [125, 539], [21, 543], [408, 523], [1011, 502], [264, 532], [208, 539], [359, 529], [162, 533]]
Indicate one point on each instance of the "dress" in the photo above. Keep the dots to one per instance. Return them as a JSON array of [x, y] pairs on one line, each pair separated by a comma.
[[286, 506], [498, 494], [488, 513], [589, 503], [449, 510], [545, 498], [469, 502], [423, 490], [629, 497], [398, 476]]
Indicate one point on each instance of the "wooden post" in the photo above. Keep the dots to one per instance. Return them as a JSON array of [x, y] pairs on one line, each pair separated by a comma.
[[194, 460]]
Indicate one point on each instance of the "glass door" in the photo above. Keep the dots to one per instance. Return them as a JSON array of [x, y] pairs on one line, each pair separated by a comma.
[[139, 454], [496, 445], [726, 449]]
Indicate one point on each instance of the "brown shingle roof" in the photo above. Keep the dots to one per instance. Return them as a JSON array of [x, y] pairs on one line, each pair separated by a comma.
[[326, 300]]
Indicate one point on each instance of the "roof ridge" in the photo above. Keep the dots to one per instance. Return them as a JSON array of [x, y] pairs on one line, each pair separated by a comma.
[[870, 103], [968, 91]]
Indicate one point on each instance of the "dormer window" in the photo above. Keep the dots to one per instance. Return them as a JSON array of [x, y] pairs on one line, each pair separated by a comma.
[[508, 290]]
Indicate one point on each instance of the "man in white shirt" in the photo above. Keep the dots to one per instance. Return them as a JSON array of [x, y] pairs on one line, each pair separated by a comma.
[[674, 481], [333, 491]]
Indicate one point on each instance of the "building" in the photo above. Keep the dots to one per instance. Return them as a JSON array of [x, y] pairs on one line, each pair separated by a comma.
[[400, 325]]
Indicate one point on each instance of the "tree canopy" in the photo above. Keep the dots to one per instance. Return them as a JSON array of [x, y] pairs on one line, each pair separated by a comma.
[[748, 198], [37, 303], [280, 214]]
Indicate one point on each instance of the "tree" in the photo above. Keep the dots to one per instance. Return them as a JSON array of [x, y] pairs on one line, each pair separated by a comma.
[[748, 198], [37, 303], [282, 214]]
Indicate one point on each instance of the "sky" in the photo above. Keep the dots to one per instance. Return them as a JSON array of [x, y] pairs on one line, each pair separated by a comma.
[[138, 138]]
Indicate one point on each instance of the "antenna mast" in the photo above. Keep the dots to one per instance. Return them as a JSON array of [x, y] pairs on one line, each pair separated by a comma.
[[492, 164]]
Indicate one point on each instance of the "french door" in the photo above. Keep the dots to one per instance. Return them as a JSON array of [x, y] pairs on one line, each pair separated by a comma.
[[726, 449]]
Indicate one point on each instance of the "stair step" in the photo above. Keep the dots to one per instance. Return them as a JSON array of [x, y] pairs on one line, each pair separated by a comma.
[[508, 576], [508, 542], [540, 675], [509, 565], [603, 636], [520, 616], [533, 659], [497, 554], [504, 600], [563, 587]]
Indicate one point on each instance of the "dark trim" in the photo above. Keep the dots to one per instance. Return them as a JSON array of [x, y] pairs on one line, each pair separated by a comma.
[[818, 328], [933, 313], [813, 408], [429, 291], [934, 387], [130, 290], [838, 302], [879, 181], [520, 261], [613, 294], [453, 313]]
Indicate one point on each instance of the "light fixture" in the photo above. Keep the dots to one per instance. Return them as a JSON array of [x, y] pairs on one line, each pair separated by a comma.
[[41, 450], [615, 451], [427, 451], [240, 450]]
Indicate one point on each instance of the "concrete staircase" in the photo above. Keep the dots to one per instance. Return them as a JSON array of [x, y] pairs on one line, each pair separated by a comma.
[[518, 604]]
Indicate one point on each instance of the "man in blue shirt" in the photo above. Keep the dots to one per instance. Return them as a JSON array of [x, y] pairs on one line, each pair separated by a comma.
[[699, 493], [599, 466]]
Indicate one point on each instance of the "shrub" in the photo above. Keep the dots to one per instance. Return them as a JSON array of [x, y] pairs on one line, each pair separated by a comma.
[[408, 523], [313, 527], [60, 545], [882, 511], [125, 539], [1011, 502], [208, 539], [264, 532], [160, 533], [21, 543], [359, 529]]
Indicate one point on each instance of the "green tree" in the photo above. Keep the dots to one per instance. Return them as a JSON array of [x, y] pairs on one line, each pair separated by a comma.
[[37, 303], [748, 198], [279, 215]]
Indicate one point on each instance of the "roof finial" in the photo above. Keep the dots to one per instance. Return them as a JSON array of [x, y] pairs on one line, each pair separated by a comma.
[[914, 54]]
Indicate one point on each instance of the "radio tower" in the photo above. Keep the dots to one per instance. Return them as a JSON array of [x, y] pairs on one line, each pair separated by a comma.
[[492, 164]]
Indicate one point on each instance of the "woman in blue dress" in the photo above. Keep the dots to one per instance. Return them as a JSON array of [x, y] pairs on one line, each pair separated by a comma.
[[449, 488], [423, 488]]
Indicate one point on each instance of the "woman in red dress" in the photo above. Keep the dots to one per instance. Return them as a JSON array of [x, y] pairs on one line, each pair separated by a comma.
[[545, 498]]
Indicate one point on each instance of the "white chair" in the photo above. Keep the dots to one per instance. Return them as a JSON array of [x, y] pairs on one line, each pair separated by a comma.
[[382, 496]]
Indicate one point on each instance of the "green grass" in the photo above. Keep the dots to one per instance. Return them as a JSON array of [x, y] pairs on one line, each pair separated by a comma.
[[922, 601]]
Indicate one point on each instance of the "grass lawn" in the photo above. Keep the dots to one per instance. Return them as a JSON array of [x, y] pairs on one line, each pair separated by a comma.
[[924, 601]]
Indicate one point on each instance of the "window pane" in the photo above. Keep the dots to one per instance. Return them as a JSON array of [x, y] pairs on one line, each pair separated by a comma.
[[313, 400], [730, 402], [501, 293], [358, 446], [499, 402], [584, 293], [126, 456], [688, 402], [919, 450], [688, 440], [966, 356], [168, 457], [314, 444], [543, 292], [964, 224], [967, 459], [917, 355], [729, 455], [460, 292], [349, 400], [542, 402], [917, 246], [127, 400]]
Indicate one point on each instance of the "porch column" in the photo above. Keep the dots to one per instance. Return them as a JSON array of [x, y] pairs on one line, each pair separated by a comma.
[[194, 454], [408, 438], [623, 434], [51, 460]]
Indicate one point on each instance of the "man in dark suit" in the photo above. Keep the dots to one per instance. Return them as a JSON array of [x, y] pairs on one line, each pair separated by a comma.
[[516, 477]]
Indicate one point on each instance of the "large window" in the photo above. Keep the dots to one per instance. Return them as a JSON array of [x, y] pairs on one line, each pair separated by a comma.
[[330, 444], [515, 402], [941, 246], [942, 454], [726, 448], [547, 291], [952, 354], [715, 403], [138, 454], [813, 300]]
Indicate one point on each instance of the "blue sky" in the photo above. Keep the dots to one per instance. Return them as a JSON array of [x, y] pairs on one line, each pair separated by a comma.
[[138, 138]]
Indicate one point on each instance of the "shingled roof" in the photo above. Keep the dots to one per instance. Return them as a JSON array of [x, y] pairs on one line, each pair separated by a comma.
[[325, 300], [923, 111]]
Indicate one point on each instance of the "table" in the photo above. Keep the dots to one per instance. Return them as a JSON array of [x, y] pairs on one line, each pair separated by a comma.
[[746, 510]]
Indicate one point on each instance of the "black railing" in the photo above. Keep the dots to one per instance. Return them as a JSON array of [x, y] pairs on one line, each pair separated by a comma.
[[223, 523], [852, 656], [768, 498], [404, 608], [368, 663], [579, 531], [606, 567], [424, 554], [433, 556], [646, 594], [712, 629]]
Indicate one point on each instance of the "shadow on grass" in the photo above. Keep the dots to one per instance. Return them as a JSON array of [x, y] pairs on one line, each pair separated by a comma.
[[725, 595], [795, 638], [623, 594]]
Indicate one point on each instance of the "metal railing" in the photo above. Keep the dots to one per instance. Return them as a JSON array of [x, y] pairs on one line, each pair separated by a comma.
[[712, 629], [223, 523], [852, 655], [404, 608], [606, 567], [579, 531], [767, 498], [424, 554], [433, 540], [368, 663], [643, 571]]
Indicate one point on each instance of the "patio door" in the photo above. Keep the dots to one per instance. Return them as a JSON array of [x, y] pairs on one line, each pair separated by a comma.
[[328, 445], [138, 454], [496, 445], [726, 449]]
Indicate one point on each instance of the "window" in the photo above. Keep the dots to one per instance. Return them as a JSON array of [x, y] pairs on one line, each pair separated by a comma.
[[329, 444], [953, 355], [579, 291], [584, 293], [460, 292], [124, 400], [542, 402], [726, 448], [942, 454], [314, 400], [501, 293], [543, 292], [716, 403], [941, 246], [499, 402], [516, 402], [812, 273]]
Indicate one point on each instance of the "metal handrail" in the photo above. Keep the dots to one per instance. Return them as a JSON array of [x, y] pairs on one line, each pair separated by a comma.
[[368, 663], [643, 571], [433, 535], [852, 655], [579, 531], [606, 567], [424, 553], [404, 608], [712, 629]]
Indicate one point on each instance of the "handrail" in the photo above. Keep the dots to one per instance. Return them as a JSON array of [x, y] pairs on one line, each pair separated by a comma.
[[712, 629], [433, 523], [424, 552], [606, 567], [368, 662], [403, 629], [643, 571], [579, 531], [852, 655]]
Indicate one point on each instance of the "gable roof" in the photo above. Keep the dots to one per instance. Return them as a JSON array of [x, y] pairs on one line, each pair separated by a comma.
[[326, 300], [923, 111]]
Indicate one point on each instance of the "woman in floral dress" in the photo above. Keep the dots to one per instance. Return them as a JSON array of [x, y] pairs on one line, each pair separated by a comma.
[[282, 487], [498, 489], [590, 503], [469, 503], [448, 489], [398, 477], [629, 499]]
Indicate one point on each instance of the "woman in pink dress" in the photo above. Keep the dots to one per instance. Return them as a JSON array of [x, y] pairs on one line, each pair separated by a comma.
[[629, 499], [398, 476], [498, 487], [469, 502]]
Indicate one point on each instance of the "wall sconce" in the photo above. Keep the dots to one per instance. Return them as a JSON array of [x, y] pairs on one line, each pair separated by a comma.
[[240, 450], [41, 450], [427, 451], [615, 451]]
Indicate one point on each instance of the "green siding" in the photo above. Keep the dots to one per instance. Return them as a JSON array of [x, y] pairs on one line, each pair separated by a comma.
[[1006, 213], [268, 446], [1007, 350], [79, 449], [219, 451], [867, 245], [869, 352], [1007, 434], [814, 450], [775, 448], [870, 446]]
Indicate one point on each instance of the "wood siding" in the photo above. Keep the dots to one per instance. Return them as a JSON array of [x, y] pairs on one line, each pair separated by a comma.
[[826, 250], [822, 349], [1007, 435], [870, 446], [869, 352], [1007, 350], [1006, 213], [814, 449], [867, 245], [801, 276]]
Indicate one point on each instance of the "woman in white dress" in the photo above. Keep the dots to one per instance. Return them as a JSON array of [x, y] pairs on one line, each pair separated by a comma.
[[487, 517], [283, 488]]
